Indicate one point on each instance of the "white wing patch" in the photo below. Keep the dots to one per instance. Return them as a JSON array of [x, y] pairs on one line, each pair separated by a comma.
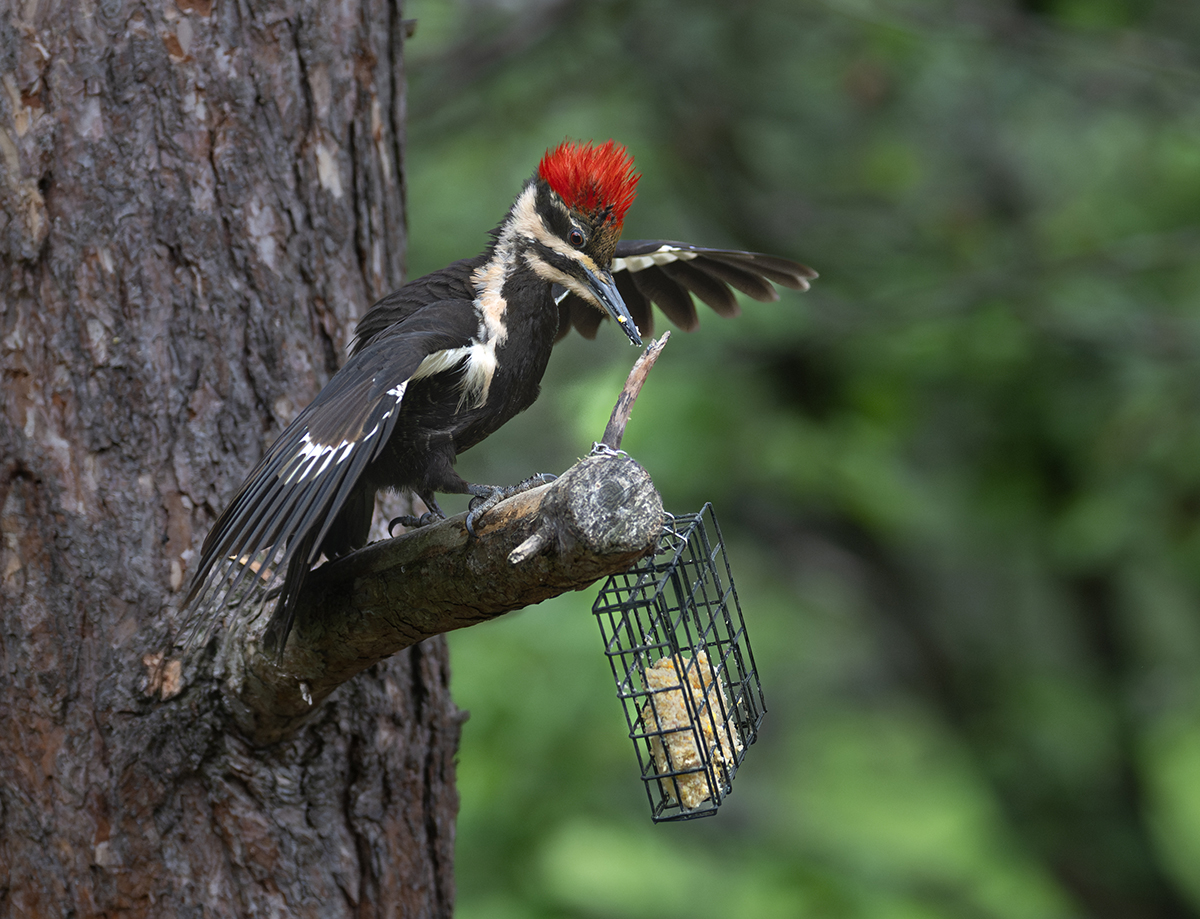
[[305, 463], [306, 459], [663, 255], [480, 360], [481, 367]]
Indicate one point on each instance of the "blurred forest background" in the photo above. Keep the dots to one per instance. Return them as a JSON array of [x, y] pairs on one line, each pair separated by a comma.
[[960, 479]]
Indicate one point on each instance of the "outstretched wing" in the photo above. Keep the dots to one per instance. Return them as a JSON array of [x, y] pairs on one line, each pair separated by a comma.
[[281, 514], [668, 273]]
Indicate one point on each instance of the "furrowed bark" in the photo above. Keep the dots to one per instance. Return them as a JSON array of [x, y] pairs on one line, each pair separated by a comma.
[[197, 200]]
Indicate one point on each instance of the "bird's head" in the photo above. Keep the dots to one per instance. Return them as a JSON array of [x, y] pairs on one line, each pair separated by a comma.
[[581, 194]]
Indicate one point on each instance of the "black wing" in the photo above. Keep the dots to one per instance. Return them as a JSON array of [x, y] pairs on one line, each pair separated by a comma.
[[281, 514], [668, 273]]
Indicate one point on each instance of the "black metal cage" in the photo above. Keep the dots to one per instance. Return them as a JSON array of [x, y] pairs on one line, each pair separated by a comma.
[[674, 634]]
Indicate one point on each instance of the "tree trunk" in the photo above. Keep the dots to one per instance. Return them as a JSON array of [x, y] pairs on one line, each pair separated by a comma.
[[198, 201]]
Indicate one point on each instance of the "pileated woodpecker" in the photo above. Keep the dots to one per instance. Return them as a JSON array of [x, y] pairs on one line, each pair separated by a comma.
[[447, 359]]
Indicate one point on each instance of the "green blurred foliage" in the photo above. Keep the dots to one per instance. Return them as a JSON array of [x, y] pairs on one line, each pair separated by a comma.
[[960, 478]]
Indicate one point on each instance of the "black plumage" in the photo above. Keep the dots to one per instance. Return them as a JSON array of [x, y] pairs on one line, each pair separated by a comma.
[[666, 273], [446, 360]]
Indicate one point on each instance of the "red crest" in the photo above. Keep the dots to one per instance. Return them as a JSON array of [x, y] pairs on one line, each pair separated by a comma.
[[592, 179]]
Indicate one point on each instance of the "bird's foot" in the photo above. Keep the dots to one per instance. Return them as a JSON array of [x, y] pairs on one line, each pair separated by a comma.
[[412, 522], [409, 522], [488, 496]]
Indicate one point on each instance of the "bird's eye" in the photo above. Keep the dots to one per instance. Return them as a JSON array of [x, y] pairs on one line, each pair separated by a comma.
[[575, 238]]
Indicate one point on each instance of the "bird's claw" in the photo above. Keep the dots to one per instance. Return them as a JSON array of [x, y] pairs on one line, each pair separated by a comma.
[[408, 521], [488, 496]]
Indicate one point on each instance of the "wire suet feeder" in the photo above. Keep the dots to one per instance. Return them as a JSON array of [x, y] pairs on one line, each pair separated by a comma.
[[681, 658]]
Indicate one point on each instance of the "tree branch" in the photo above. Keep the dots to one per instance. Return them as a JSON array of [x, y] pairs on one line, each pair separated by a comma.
[[595, 520]]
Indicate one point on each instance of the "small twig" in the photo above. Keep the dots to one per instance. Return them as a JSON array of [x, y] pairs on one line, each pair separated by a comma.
[[633, 385], [531, 546]]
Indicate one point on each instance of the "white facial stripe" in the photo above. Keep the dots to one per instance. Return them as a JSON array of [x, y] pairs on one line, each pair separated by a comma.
[[545, 270], [663, 255], [556, 244], [525, 226], [489, 278], [528, 223]]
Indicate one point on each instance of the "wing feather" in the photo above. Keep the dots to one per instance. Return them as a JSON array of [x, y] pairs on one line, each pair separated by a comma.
[[700, 281], [669, 274], [586, 319], [656, 287], [280, 516]]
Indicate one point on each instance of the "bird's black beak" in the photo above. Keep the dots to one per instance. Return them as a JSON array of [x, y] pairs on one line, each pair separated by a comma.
[[605, 290]]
